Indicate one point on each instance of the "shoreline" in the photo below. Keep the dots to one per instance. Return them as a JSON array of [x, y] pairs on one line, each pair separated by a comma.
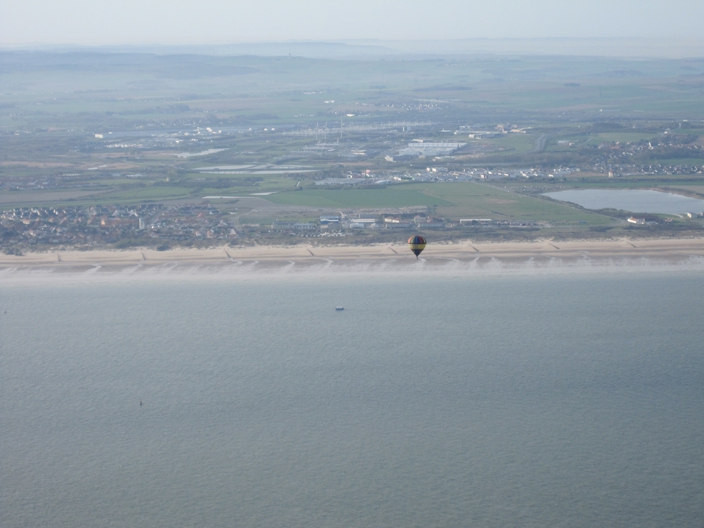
[[458, 259]]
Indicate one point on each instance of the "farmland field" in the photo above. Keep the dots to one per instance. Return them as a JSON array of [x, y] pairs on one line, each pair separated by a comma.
[[455, 200], [365, 198]]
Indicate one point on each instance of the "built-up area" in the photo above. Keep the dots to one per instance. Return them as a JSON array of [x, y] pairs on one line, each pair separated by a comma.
[[163, 226]]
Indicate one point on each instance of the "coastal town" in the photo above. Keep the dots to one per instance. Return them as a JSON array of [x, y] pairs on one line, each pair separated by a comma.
[[183, 167], [201, 225]]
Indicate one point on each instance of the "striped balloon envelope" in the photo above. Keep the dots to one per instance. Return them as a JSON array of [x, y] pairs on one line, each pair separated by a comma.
[[417, 244]]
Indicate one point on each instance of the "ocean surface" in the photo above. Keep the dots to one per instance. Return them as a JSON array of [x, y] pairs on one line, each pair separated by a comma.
[[633, 200], [492, 401]]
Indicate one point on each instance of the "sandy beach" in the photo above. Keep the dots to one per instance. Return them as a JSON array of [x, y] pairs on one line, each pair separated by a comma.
[[453, 258]]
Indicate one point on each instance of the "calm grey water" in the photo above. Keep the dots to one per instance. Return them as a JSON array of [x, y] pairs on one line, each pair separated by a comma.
[[633, 200], [496, 401]]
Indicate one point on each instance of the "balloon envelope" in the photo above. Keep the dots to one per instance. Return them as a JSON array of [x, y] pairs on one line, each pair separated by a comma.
[[417, 244]]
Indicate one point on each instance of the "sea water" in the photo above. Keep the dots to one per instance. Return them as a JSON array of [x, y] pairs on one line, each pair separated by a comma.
[[502, 401]]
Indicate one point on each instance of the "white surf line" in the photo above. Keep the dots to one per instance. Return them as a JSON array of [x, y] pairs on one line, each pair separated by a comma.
[[166, 267], [231, 259], [555, 262], [474, 263], [495, 263], [131, 270], [328, 263], [251, 267], [291, 264]]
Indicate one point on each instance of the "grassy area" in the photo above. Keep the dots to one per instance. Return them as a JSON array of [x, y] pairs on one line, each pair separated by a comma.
[[393, 196], [473, 200], [151, 192], [601, 183], [452, 200], [621, 137], [518, 143]]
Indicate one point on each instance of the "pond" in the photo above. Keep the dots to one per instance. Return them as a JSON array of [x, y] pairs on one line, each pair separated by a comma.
[[635, 201]]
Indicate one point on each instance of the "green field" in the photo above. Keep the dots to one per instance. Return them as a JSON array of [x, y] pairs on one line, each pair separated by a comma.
[[451, 200], [621, 137], [516, 143], [475, 200], [393, 196], [149, 193]]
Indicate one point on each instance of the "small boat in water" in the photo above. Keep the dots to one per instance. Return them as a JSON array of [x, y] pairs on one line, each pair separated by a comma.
[[339, 308]]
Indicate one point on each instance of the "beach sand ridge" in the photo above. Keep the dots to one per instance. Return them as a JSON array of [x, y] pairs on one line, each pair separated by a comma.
[[460, 257]]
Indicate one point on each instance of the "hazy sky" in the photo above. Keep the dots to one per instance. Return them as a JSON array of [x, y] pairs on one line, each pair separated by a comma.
[[88, 22]]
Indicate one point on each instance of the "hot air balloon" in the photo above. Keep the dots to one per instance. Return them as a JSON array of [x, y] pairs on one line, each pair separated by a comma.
[[417, 244]]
